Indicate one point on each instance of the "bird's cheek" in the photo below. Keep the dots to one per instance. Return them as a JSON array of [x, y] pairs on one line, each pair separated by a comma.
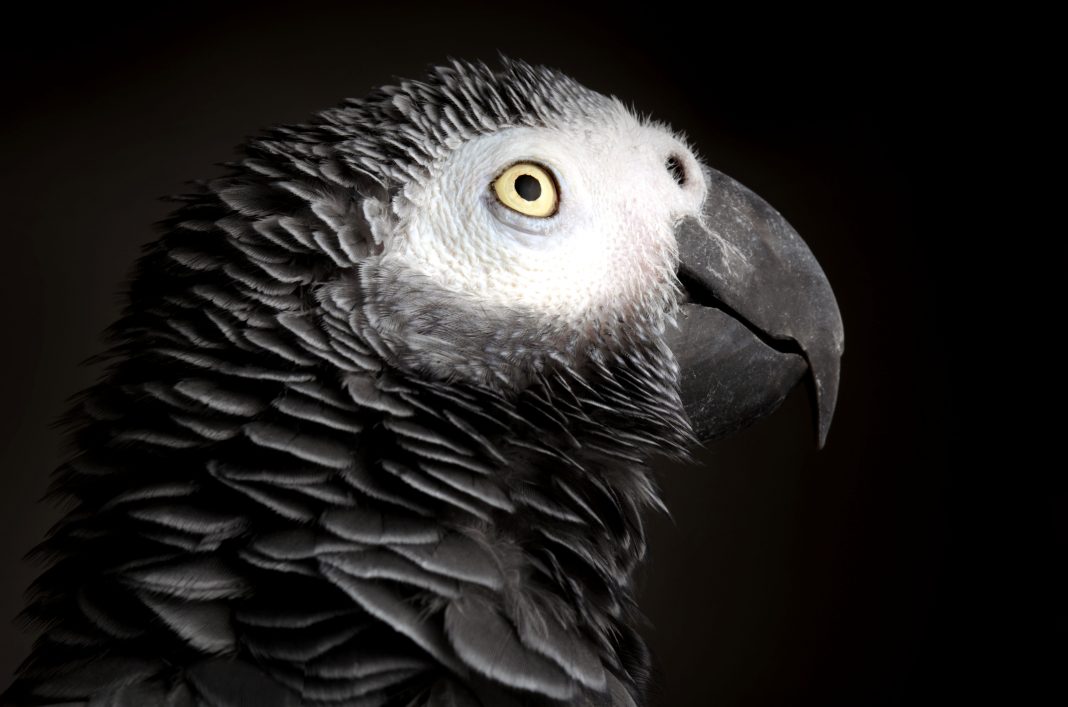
[[648, 254]]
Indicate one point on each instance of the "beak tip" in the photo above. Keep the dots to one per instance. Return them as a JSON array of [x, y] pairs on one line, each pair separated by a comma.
[[825, 374], [825, 428]]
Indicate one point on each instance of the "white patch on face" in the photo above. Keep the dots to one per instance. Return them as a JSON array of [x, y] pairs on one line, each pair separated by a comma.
[[610, 244]]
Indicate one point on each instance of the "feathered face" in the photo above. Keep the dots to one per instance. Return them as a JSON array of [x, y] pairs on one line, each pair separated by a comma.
[[570, 223]]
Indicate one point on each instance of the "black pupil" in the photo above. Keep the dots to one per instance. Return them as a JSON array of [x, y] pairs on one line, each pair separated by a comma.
[[674, 166], [527, 187]]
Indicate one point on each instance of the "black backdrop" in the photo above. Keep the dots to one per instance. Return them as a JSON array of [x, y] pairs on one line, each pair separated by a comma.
[[865, 574]]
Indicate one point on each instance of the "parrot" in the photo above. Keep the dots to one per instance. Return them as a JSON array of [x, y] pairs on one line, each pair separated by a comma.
[[377, 421]]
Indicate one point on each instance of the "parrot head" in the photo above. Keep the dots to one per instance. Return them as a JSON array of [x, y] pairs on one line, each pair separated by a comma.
[[544, 221]]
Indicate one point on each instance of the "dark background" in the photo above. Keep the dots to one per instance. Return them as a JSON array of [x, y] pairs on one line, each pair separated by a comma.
[[892, 568]]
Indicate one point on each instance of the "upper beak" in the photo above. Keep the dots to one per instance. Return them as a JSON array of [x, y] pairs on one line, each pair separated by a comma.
[[760, 312]]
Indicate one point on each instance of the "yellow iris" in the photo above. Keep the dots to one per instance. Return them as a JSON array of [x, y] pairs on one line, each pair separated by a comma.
[[527, 188]]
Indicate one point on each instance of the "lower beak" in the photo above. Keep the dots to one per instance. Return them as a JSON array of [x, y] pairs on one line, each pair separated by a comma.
[[760, 313]]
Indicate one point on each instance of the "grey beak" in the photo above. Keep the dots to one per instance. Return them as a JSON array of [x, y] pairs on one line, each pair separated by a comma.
[[760, 312]]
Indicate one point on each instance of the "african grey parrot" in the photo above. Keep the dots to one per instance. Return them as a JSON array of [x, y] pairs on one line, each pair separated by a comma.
[[379, 412]]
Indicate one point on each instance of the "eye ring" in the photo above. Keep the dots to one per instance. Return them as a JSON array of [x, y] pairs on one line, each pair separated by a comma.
[[528, 188]]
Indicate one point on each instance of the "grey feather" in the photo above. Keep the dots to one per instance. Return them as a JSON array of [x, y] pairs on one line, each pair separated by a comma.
[[275, 498], [374, 527], [383, 564], [398, 615], [317, 412], [313, 389], [423, 482], [305, 329], [293, 619], [542, 632], [365, 393], [315, 449], [425, 434], [218, 398], [362, 662], [213, 430], [488, 643], [204, 625], [441, 454], [297, 544], [478, 487], [330, 493], [457, 556], [368, 482], [191, 519], [277, 476], [198, 579], [174, 489], [161, 438], [301, 646]]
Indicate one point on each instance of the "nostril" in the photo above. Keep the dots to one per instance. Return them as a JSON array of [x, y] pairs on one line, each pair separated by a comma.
[[676, 170]]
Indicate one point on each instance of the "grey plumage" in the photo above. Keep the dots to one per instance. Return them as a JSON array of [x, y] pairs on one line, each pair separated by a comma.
[[312, 478]]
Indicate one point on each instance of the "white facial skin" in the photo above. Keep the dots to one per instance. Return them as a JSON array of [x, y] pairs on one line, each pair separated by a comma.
[[611, 241]]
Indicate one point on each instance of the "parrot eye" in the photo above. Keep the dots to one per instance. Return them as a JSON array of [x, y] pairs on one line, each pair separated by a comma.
[[527, 188]]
